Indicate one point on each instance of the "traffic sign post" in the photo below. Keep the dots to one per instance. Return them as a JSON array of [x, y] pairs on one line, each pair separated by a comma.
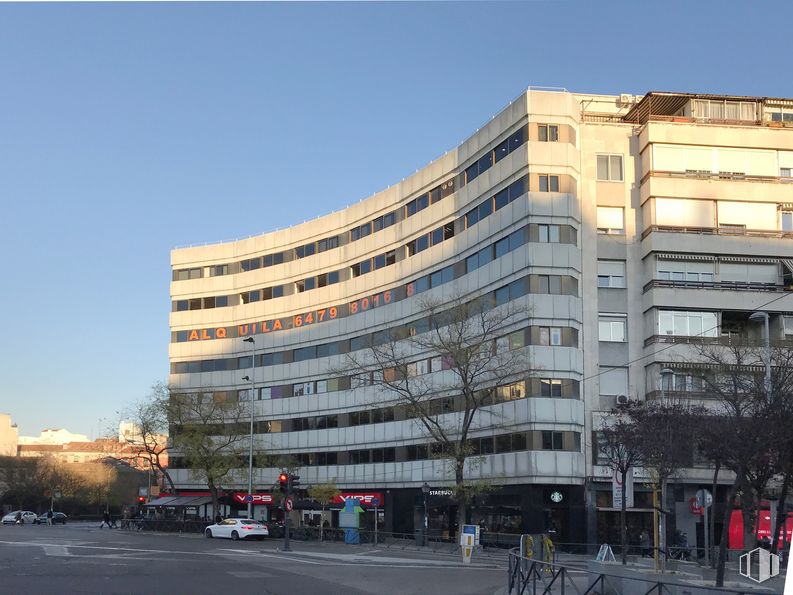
[[289, 504], [375, 503], [705, 501]]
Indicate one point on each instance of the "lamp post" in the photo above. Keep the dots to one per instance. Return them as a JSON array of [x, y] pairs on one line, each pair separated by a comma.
[[659, 530], [250, 446], [425, 489], [764, 318]]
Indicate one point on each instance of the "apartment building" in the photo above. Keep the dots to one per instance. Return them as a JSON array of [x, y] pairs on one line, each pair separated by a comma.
[[628, 226]]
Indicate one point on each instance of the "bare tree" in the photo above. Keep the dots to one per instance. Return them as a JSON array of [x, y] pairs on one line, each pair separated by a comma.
[[323, 493], [469, 343], [746, 441], [665, 432], [211, 435], [619, 442], [149, 438]]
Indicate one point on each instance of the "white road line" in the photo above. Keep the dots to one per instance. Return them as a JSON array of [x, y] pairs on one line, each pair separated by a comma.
[[56, 550]]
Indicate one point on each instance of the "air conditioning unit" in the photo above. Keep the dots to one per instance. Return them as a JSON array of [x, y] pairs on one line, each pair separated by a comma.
[[622, 400], [626, 98]]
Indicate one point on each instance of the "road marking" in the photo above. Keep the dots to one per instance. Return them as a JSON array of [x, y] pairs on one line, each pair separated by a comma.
[[56, 550], [339, 560], [249, 574]]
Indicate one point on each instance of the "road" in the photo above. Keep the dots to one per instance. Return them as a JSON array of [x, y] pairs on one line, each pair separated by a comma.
[[80, 558]]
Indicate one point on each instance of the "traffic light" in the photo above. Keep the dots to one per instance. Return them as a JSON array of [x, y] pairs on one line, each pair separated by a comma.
[[141, 499], [294, 482], [283, 481]]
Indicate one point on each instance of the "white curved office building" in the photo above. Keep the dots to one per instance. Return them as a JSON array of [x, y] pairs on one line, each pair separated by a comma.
[[557, 204]]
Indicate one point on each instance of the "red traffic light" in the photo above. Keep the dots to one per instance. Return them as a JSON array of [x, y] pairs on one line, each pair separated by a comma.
[[141, 499], [283, 478]]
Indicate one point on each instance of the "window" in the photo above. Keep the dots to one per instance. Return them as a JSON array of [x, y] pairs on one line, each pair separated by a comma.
[[719, 109], [549, 183], [687, 324], [550, 335], [548, 132], [550, 387], [613, 381], [611, 273], [786, 220], [548, 233], [609, 168], [611, 328], [610, 220], [785, 172], [552, 440], [549, 284]]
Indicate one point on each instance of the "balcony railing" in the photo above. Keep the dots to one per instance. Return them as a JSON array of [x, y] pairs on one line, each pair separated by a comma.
[[709, 175], [731, 231], [720, 285]]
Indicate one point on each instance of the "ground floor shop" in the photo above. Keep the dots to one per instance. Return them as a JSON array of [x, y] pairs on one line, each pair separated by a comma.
[[512, 509]]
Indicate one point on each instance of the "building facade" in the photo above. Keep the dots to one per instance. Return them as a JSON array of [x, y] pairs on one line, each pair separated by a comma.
[[625, 225]]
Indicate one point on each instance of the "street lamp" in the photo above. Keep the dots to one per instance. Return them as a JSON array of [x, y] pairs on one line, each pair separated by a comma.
[[763, 317], [425, 489], [250, 448]]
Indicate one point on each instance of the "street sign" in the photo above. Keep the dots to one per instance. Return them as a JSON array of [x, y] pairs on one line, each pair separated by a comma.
[[375, 502], [695, 507], [704, 498], [289, 504]]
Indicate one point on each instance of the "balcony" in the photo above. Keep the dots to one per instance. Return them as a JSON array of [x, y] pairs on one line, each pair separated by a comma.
[[719, 285], [723, 231]]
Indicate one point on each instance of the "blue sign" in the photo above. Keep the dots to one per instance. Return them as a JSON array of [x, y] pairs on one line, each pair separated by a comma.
[[375, 502], [249, 498]]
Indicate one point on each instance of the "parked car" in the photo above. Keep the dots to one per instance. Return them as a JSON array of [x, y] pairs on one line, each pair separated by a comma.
[[57, 518], [237, 529], [27, 517]]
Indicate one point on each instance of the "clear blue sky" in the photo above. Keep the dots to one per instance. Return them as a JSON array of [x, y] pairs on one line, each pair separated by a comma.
[[129, 129]]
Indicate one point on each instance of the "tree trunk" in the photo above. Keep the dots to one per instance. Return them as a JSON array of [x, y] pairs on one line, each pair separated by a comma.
[[322, 524], [459, 479], [623, 527], [213, 492], [781, 517], [711, 528], [725, 533]]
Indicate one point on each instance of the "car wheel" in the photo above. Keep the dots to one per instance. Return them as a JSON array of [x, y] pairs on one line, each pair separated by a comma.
[[208, 533], [235, 536]]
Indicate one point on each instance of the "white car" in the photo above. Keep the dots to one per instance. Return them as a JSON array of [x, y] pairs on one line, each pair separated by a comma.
[[27, 517], [237, 529]]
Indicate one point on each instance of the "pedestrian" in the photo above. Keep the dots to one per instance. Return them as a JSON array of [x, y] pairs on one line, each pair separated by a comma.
[[218, 518], [644, 543], [113, 524], [18, 518], [105, 520], [49, 517]]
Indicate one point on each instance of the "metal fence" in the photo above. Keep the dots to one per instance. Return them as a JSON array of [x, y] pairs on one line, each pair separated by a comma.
[[527, 575]]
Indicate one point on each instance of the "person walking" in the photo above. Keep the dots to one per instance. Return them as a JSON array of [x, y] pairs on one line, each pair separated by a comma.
[[644, 543], [49, 517], [105, 519], [18, 518]]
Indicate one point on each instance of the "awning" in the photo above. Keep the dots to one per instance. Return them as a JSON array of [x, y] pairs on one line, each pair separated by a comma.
[[788, 264], [180, 501], [684, 256]]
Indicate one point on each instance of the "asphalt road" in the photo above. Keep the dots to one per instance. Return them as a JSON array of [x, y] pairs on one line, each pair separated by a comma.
[[80, 558]]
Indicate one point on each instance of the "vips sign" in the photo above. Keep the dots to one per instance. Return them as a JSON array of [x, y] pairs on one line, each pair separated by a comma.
[[364, 498], [242, 498]]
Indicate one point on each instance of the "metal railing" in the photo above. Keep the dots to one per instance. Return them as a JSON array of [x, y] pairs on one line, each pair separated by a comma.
[[527, 575]]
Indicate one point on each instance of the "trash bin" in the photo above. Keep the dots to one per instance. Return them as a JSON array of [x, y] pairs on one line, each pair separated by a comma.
[[421, 537]]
